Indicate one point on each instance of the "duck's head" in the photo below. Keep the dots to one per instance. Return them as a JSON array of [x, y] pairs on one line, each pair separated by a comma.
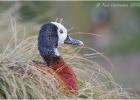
[[63, 37], [50, 36]]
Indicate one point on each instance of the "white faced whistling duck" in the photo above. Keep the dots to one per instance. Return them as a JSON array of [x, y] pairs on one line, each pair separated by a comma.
[[50, 36]]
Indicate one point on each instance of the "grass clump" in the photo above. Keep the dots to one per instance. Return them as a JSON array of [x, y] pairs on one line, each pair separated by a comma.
[[19, 80]]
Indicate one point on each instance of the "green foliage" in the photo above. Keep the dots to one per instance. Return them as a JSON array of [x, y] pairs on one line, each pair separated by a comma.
[[5, 5], [125, 44], [33, 9]]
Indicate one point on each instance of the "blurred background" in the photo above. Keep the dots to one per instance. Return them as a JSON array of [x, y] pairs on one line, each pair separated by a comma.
[[118, 23]]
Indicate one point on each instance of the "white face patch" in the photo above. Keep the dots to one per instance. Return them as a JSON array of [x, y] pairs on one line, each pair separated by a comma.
[[62, 32]]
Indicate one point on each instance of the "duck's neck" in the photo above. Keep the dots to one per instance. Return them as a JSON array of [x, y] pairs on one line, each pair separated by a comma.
[[49, 54]]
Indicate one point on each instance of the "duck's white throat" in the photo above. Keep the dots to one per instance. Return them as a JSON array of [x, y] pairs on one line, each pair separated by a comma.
[[56, 52]]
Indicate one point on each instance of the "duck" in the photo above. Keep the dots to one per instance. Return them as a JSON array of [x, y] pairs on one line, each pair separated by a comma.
[[51, 35]]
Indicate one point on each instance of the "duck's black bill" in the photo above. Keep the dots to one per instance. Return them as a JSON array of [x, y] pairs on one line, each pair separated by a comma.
[[70, 40]]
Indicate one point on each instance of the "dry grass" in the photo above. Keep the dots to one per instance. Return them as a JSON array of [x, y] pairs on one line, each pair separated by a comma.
[[20, 80]]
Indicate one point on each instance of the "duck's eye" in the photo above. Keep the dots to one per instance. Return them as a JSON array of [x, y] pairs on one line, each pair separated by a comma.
[[61, 31]]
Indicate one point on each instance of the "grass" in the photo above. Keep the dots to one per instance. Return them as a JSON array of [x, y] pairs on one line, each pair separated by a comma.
[[19, 80]]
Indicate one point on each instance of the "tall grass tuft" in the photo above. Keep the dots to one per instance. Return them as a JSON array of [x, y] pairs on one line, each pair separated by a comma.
[[19, 80]]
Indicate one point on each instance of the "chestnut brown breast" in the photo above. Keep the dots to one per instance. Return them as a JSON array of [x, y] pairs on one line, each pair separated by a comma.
[[63, 73]]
